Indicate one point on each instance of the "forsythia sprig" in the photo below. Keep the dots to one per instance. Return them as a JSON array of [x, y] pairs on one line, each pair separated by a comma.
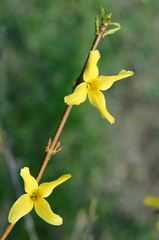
[[34, 197], [93, 84]]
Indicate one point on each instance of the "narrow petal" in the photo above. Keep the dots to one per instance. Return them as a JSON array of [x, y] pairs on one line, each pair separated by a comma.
[[47, 188], [30, 182], [20, 208], [78, 96], [105, 82], [152, 201], [97, 99], [44, 211], [92, 69]]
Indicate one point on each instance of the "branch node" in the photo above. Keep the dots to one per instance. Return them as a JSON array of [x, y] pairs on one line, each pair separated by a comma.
[[56, 149], [49, 143]]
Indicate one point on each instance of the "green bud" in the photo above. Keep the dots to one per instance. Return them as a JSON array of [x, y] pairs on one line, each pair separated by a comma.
[[106, 18]]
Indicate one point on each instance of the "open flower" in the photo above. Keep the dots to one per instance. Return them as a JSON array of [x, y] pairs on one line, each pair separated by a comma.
[[34, 197], [152, 202], [93, 84]]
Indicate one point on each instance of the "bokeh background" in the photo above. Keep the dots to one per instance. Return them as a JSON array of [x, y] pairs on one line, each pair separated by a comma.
[[43, 45]]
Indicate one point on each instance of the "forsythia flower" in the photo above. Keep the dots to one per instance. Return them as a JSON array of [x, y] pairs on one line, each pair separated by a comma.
[[152, 202], [34, 197], [93, 84]]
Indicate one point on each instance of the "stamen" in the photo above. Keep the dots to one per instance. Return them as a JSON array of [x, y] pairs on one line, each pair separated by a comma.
[[34, 195]]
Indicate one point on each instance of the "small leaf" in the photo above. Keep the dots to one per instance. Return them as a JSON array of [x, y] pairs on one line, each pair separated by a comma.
[[112, 30], [115, 24], [96, 21], [102, 13], [109, 15]]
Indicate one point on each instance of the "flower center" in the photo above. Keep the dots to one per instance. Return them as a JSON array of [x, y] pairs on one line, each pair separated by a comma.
[[92, 85], [35, 195]]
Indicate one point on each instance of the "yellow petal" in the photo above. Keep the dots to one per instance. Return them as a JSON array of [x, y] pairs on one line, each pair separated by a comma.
[[30, 182], [105, 82], [46, 188], [20, 208], [152, 201], [44, 211], [78, 96], [92, 69], [97, 99]]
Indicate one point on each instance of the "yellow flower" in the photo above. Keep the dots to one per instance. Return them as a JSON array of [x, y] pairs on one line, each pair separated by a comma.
[[34, 197], [152, 202], [93, 84]]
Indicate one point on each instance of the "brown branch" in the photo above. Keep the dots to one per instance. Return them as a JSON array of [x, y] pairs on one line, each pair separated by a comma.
[[97, 39], [53, 143], [7, 231]]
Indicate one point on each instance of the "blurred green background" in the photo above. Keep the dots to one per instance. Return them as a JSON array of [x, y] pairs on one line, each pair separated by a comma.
[[43, 46]]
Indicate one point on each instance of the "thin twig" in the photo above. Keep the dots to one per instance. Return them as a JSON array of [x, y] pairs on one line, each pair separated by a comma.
[[68, 109], [53, 143], [7, 231]]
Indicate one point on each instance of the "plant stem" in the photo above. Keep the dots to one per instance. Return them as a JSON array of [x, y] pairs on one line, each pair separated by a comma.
[[68, 108], [7, 231], [53, 143], [62, 122]]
